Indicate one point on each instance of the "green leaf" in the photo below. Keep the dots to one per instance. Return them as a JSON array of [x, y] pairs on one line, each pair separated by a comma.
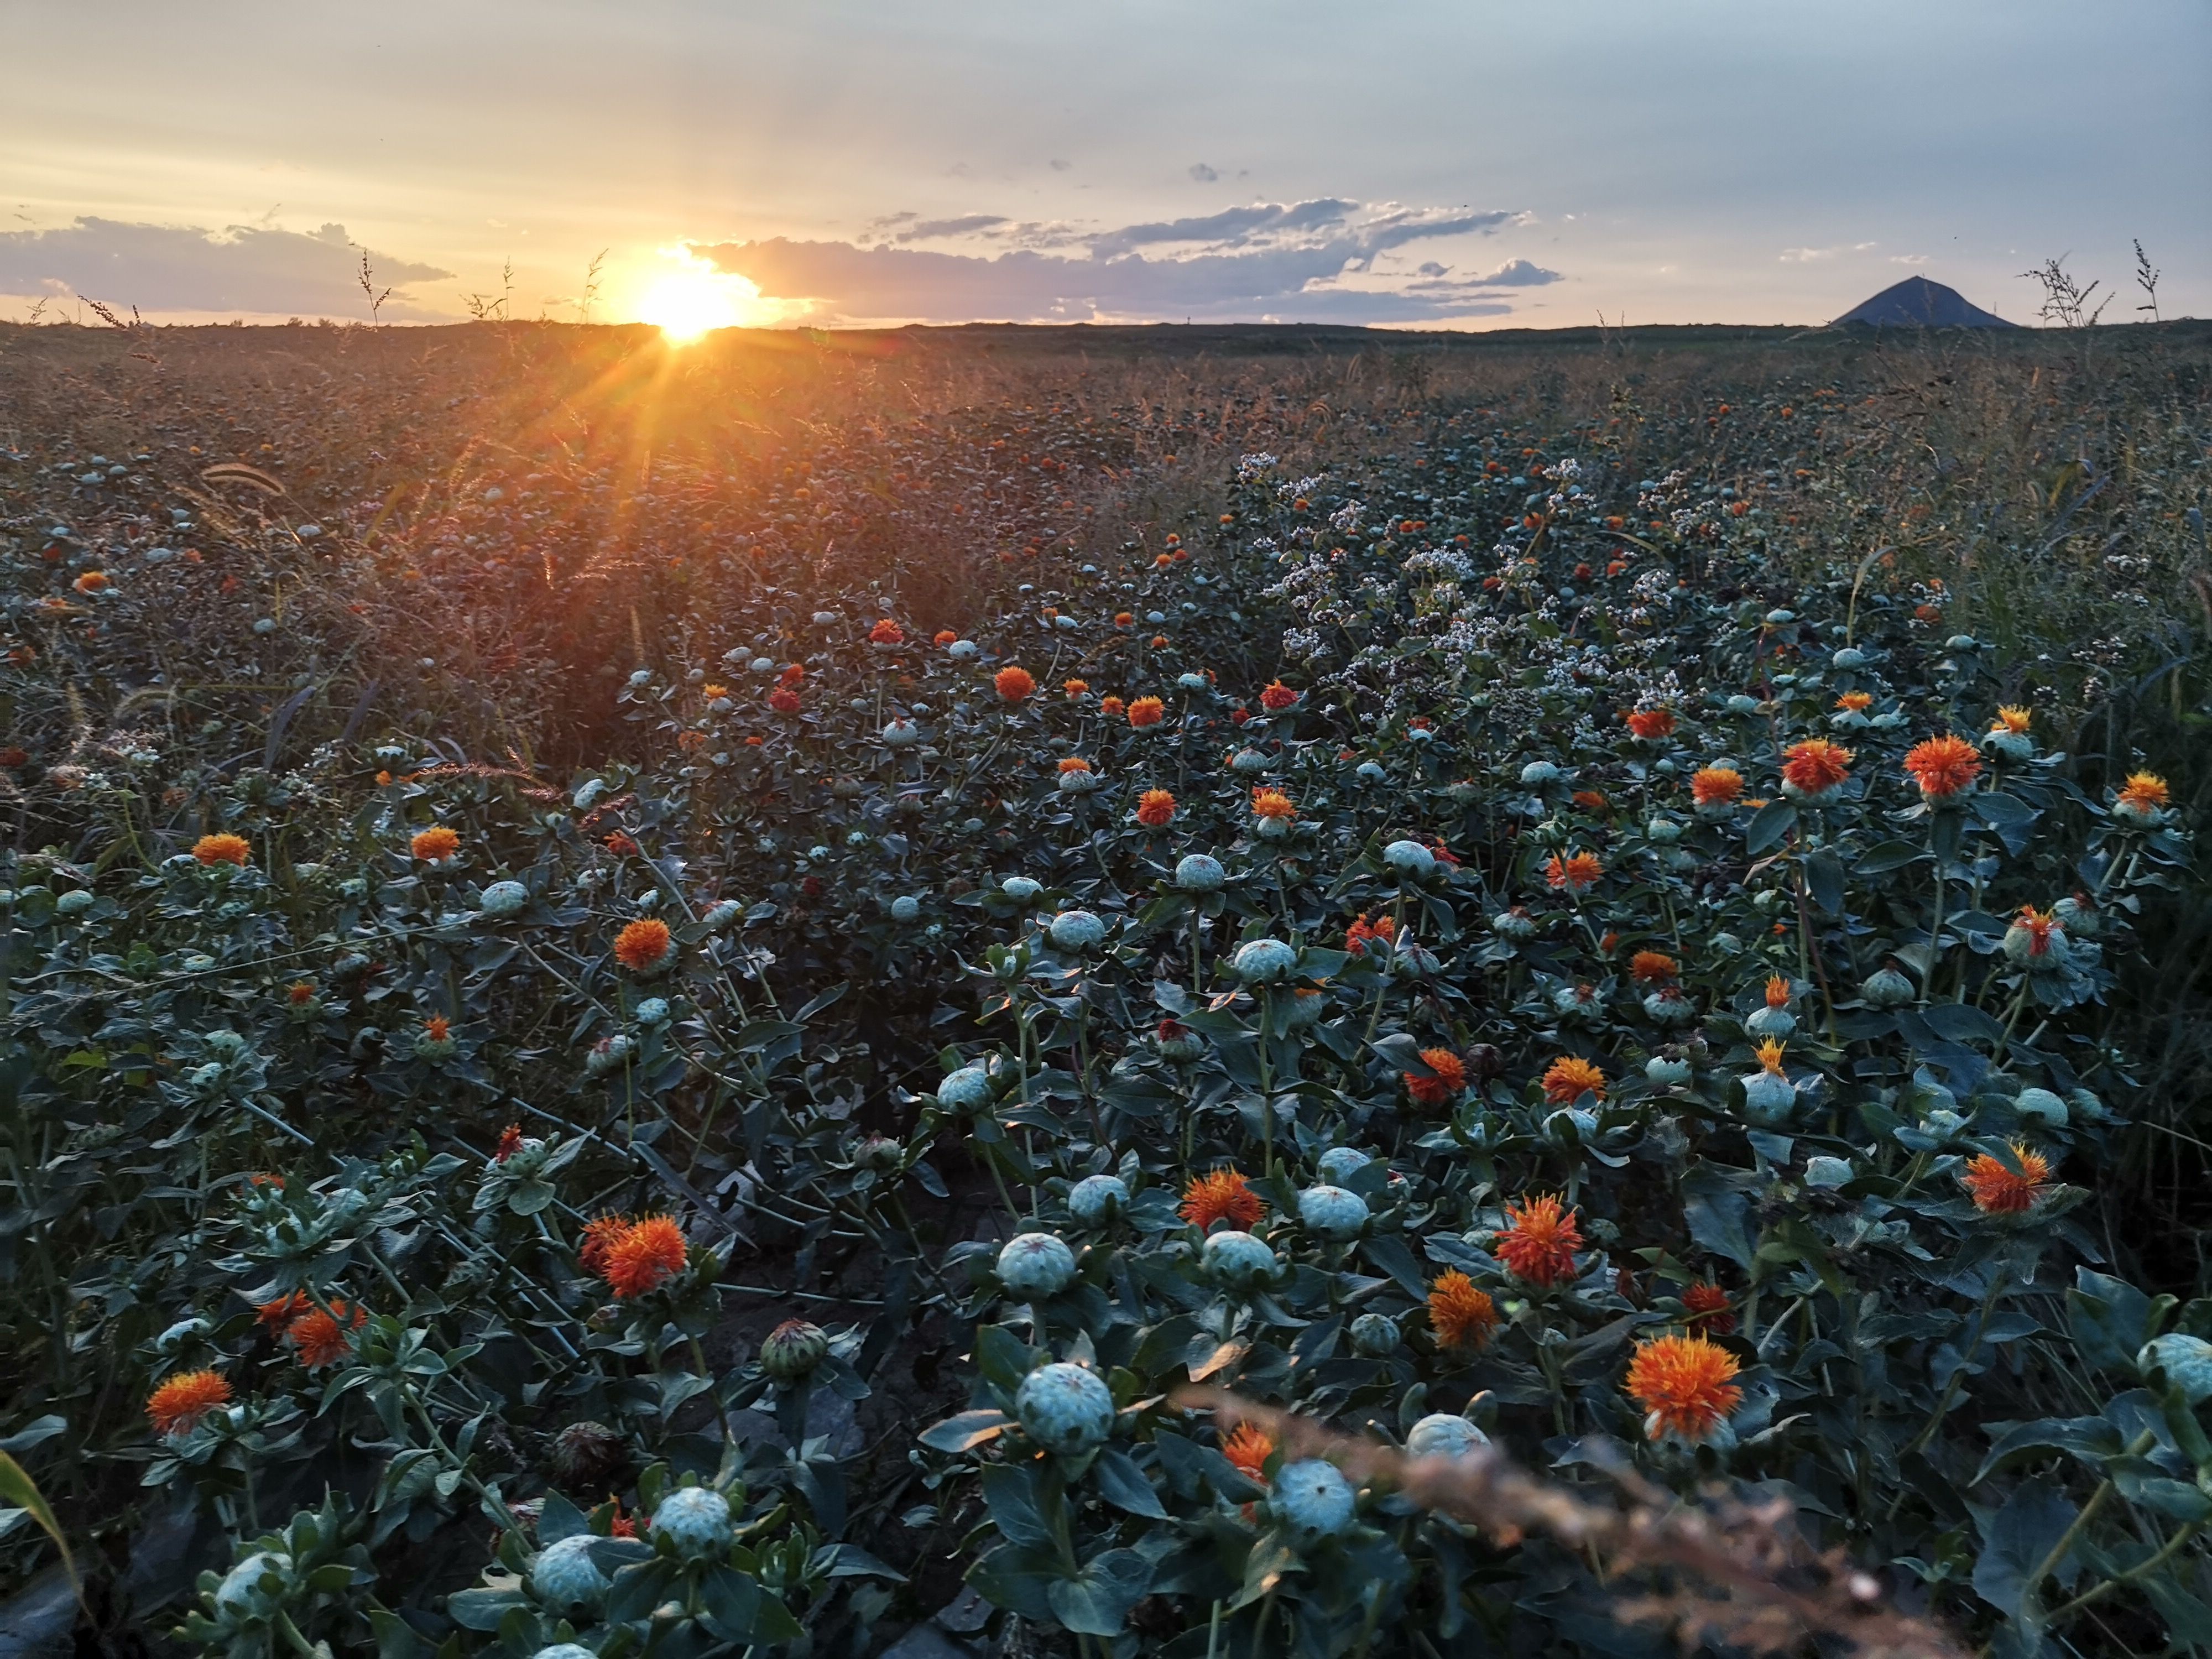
[[2092, 1439], [482, 1609], [1960, 1021], [2111, 1320], [1768, 826], [966, 1431], [19, 1490], [1715, 1212], [1122, 1484], [1882, 858], [1097, 1602], [1011, 1495], [732, 1601], [1824, 880], [2018, 1539]]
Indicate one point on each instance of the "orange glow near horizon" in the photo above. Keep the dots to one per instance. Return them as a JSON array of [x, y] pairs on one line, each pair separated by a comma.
[[694, 299]]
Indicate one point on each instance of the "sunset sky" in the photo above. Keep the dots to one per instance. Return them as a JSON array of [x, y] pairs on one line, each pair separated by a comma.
[[1417, 163]]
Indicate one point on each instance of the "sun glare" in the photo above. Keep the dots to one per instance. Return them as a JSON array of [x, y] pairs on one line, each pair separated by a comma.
[[696, 299]]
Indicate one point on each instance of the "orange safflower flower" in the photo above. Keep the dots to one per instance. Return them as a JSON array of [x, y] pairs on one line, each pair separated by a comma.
[[944, 636], [599, 1235], [1590, 799], [643, 1255], [1569, 1078], [1074, 688], [1450, 1077], [510, 1143], [2146, 792], [1708, 1306], [1220, 1195], [1160, 641], [1683, 1384], [179, 1404], [299, 993], [2013, 719], [1277, 697], [1716, 786], [1272, 804], [1857, 701], [1363, 932], [1575, 872], [1999, 1189], [319, 1339], [1247, 1447], [436, 842], [784, 699], [1651, 723], [1156, 809], [436, 1028], [280, 1312], [92, 581], [1014, 683], [1943, 766], [1653, 966], [1073, 764], [1777, 991], [1123, 619], [1110, 707], [1146, 711], [1460, 1313], [1815, 765], [220, 849], [2038, 925], [642, 945], [1539, 1240], [620, 845], [792, 674], [887, 632]]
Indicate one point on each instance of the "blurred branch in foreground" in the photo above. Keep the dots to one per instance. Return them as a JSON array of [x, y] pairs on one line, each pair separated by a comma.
[[1740, 1577]]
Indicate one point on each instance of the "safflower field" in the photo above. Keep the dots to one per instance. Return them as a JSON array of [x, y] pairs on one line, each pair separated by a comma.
[[1247, 995]]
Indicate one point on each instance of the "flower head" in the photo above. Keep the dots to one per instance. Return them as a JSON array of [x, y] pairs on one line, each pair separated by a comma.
[[1462, 1314], [1573, 872], [1277, 697], [319, 1339], [1014, 683], [1272, 804], [179, 1404], [1650, 724], [1653, 966], [1856, 703], [1540, 1239], [784, 699], [1569, 1078], [1221, 1195], [1075, 689], [887, 632], [1073, 764], [1156, 809], [1683, 1384], [2000, 1189], [1110, 707], [2013, 719], [1777, 991], [1708, 1307], [1815, 765], [510, 1143], [2145, 796], [1146, 711], [1450, 1077], [1943, 767], [92, 581], [642, 945], [220, 849], [1770, 1057], [1362, 933], [643, 1255], [1248, 1447], [599, 1235], [1716, 786]]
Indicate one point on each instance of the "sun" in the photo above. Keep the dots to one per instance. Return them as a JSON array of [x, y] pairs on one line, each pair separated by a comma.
[[695, 299]]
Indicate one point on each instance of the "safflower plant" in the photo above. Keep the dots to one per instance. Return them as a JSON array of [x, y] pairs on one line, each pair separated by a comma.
[[676, 1208]]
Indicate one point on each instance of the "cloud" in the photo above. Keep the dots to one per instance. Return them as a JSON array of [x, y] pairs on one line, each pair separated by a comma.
[[968, 225], [1297, 261], [1908, 258], [1203, 174], [1806, 256], [243, 269]]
